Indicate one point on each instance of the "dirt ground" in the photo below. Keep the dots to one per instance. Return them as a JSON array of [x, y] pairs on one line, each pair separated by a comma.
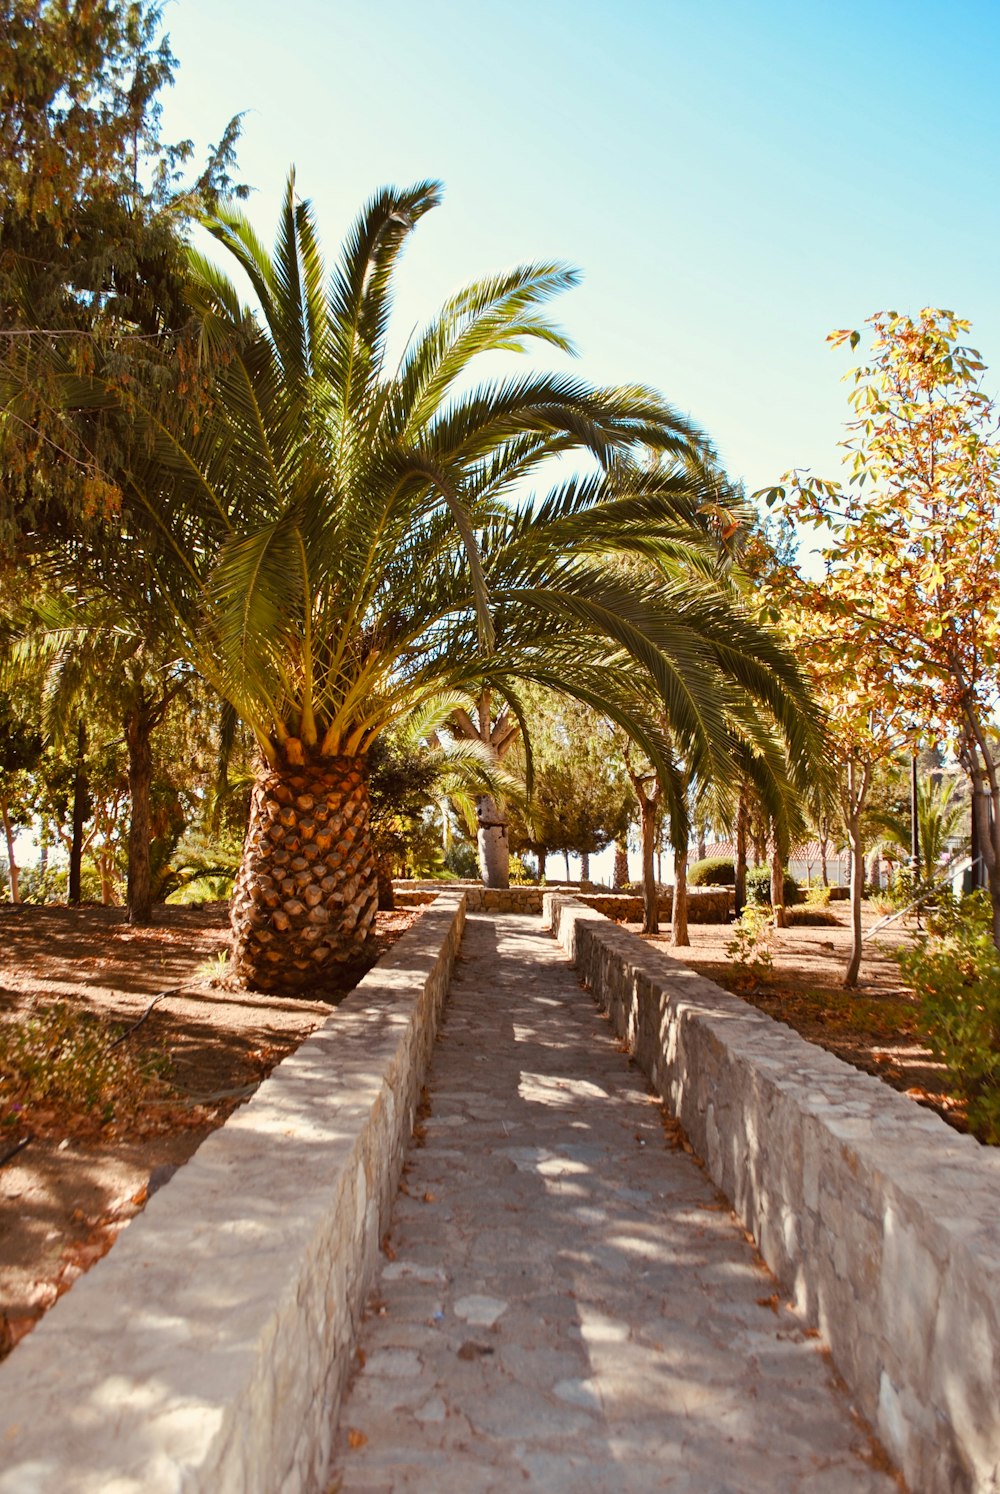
[[876, 1028], [66, 1194]]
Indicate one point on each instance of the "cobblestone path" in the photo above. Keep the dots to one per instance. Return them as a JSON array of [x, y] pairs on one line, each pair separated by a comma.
[[566, 1303]]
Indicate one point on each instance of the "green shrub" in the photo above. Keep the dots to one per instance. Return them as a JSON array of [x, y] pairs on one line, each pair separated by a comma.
[[462, 859], [714, 871], [759, 886], [817, 897], [956, 974]]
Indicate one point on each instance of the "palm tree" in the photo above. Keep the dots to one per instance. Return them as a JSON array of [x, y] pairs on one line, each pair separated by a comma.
[[317, 534], [332, 533]]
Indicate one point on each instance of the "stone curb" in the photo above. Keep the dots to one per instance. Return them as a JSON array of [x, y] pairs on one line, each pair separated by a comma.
[[882, 1221], [207, 1353]]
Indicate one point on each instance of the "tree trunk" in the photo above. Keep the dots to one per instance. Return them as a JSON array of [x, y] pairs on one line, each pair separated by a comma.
[[650, 891], [494, 848], [139, 740], [823, 838], [12, 868], [566, 860], [701, 845], [778, 886], [857, 894], [584, 866], [386, 896], [79, 814], [679, 911], [740, 865], [858, 779], [543, 857], [620, 878], [305, 895]]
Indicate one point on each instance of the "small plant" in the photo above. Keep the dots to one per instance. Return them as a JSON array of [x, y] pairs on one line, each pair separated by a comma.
[[216, 967], [56, 1060], [956, 974], [817, 897], [751, 943]]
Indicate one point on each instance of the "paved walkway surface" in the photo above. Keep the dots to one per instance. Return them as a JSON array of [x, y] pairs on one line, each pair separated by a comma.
[[566, 1303]]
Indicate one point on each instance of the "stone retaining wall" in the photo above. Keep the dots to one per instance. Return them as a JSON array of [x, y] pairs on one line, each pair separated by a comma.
[[705, 905], [880, 1220], [208, 1351]]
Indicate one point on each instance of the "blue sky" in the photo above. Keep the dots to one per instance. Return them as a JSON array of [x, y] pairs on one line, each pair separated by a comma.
[[733, 179]]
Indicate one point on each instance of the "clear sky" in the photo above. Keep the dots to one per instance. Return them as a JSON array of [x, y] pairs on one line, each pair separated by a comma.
[[733, 179]]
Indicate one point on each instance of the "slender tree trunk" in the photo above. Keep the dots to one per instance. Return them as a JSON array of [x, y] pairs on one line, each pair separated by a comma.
[[823, 839], [650, 890], [566, 860], [778, 886], [79, 814], [304, 900], [740, 865], [494, 847], [858, 779], [679, 911], [12, 867], [139, 740], [620, 878], [584, 866]]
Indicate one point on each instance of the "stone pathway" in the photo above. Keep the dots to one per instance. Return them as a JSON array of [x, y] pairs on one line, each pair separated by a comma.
[[566, 1303]]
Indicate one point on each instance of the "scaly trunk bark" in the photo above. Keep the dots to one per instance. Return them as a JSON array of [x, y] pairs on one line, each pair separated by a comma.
[[740, 867], [79, 814], [305, 895], [543, 857], [494, 847], [679, 913], [139, 890], [650, 891], [778, 887], [12, 867], [584, 866], [620, 878]]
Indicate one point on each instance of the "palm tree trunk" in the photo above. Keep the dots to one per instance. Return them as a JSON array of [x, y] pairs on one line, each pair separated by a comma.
[[79, 814], [543, 856], [386, 896], [740, 866], [305, 895], [139, 740], [494, 847], [778, 885], [650, 890], [584, 866], [679, 912], [620, 878]]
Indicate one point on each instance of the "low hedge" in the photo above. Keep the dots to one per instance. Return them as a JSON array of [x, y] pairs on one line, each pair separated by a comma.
[[714, 871]]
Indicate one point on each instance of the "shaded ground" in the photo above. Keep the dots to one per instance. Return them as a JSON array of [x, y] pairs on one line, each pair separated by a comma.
[[876, 1028], [82, 1175]]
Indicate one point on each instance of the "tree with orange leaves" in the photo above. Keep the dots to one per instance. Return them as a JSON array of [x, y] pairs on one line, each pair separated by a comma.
[[909, 607]]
